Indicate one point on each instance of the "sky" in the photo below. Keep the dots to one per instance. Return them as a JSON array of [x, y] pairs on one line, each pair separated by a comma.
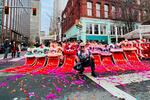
[[46, 13]]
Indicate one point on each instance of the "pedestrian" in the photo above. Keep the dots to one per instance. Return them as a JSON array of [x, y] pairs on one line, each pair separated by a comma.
[[6, 48], [13, 49], [18, 50], [86, 59]]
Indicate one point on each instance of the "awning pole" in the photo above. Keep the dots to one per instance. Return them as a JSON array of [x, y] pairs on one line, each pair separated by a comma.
[[116, 34], [140, 34]]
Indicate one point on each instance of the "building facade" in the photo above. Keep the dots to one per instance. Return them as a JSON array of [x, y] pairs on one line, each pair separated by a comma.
[[20, 24], [16, 24], [21, 19], [59, 6], [1, 4], [102, 20], [35, 21]]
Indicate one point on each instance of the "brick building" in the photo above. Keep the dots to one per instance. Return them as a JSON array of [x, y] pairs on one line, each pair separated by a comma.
[[103, 20]]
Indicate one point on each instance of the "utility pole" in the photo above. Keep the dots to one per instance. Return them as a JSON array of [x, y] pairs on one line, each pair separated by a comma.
[[60, 30], [10, 25], [16, 18], [13, 22], [3, 18], [6, 32]]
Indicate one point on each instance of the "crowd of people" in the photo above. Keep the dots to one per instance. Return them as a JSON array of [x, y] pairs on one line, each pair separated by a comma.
[[12, 47]]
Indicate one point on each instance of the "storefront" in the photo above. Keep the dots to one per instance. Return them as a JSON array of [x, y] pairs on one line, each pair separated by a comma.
[[102, 30]]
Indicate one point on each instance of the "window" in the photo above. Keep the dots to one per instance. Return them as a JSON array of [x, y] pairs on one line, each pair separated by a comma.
[[112, 30], [120, 12], [113, 12], [98, 8], [103, 29], [89, 8], [64, 15], [72, 3], [96, 29], [127, 11], [89, 28], [136, 27], [133, 12], [124, 30], [119, 30], [133, 28], [144, 13], [138, 2], [106, 10]]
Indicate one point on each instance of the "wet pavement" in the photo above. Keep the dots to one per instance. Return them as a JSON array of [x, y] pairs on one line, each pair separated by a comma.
[[61, 87], [141, 91], [6, 63], [51, 87]]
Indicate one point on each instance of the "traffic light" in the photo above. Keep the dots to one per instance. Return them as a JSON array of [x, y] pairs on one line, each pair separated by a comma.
[[6, 9], [34, 11]]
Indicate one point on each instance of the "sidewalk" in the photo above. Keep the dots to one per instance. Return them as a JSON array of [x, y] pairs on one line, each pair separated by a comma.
[[9, 55], [2, 55], [9, 62]]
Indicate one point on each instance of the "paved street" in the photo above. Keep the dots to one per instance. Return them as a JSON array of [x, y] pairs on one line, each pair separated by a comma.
[[2, 55], [56, 87], [9, 55], [9, 62], [133, 86], [108, 35]]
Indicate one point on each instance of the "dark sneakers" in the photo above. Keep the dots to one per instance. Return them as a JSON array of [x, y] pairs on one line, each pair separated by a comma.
[[94, 74], [80, 73]]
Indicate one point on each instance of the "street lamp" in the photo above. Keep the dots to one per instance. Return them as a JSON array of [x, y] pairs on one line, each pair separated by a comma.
[[79, 27], [59, 19]]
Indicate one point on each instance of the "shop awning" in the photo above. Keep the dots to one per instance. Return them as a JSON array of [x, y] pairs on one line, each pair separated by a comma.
[[142, 32]]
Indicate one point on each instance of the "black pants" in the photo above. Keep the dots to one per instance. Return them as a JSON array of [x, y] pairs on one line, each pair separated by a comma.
[[6, 52], [18, 54], [13, 54], [88, 63]]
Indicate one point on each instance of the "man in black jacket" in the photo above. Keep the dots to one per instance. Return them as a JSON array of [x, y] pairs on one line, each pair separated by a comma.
[[6, 48], [86, 59]]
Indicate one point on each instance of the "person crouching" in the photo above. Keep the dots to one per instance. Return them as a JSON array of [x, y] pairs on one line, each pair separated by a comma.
[[86, 59]]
